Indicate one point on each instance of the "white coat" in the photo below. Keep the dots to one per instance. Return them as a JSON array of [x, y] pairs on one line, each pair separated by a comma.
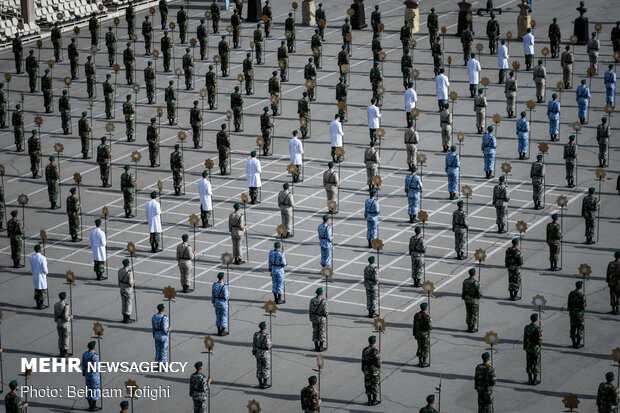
[[296, 150], [153, 215], [410, 99], [336, 133], [528, 44], [502, 57], [38, 265], [441, 86], [473, 70], [98, 244], [253, 171], [205, 193], [373, 114]]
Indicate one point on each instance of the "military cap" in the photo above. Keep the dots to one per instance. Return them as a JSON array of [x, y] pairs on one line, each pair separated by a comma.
[[604, 119], [128, 43], [502, 178], [220, 275], [424, 305], [223, 126], [523, 114], [236, 87], [372, 143], [593, 34], [124, 404], [432, 9], [247, 54], [126, 261], [224, 36], [492, 14], [472, 271], [210, 66], [410, 83], [473, 55], [312, 380], [372, 339], [616, 254], [160, 307], [87, 57], [19, 105], [108, 75], [325, 217], [97, 222], [555, 19], [571, 138], [515, 241], [583, 81], [266, 109], [539, 156], [283, 41], [554, 216], [196, 102], [529, 30], [202, 20], [171, 82], [84, 113], [126, 167], [480, 90], [277, 244], [609, 375], [1, 84], [410, 122], [34, 131], [371, 259], [344, 46], [14, 213], [52, 157], [204, 173], [373, 192], [285, 185], [290, 13], [316, 30], [441, 70], [540, 61], [47, 70], [37, 247], [512, 73], [91, 345], [177, 146], [591, 189], [534, 317], [13, 384], [555, 95], [184, 237], [319, 290], [295, 132], [73, 39], [62, 295], [236, 205], [430, 398], [486, 356], [453, 148], [128, 96], [413, 168], [579, 284], [72, 190], [446, 105], [262, 325], [460, 203], [310, 59], [253, 153], [330, 164], [377, 7], [153, 194], [198, 365], [153, 120], [567, 47]]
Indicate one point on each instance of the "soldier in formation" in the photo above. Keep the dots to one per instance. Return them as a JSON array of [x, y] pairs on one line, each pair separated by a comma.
[[303, 110], [310, 74], [436, 51], [203, 38], [283, 61], [325, 241], [15, 232], [166, 49], [375, 19], [570, 161], [108, 94], [110, 43], [177, 168], [510, 91], [528, 48], [150, 77], [130, 18], [413, 190], [480, 108], [406, 68], [430, 402], [540, 78], [182, 23], [104, 158], [85, 130], [98, 243], [195, 120], [248, 74], [267, 18], [253, 170], [553, 112], [236, 104], [502, 61], [589, 207], [576, 309], [567, 61], [128, 187], [52, 177], [513, 262], [602, 137], [555, 37], [211, 85], [223, 49], [2, 208], [160, 326], [493, 33], [583, 100], [32, 68], [417, 249], [371, 367], [17, 120], [376, 80], [412, 139], [62, 318], [261, 346], [277, 263], [467, 38], [321, 20], [38, 265], [205, 194], [613, 282], [593, 47], [223, 149], [235, 22], [74, 56], [147, 33], [371, 215], [237, 227], [343, 61], [500, 202], [471, 294], [18, 52], [215, 16], [316, 45], [610, 85], [92, 376], [422, 326], [259, 38], [289, 31], [532, 341], [34, 151], [484, 381], [4, 106], [184, 261], [310, 402], [188, 68], [286, 203], [126, 284], [371, 160], [336, 135], [153, 218], [219, 298], [607, 394], [47, 87], [554, 239], [445, 122], [537, 174], [13, 402], [90, 72], [199, 388], [371, 284], [129, 59], [453, 169], [73, 206], [152, 138], [460, 227], [432, 23], [318, 317], [56, 38], [129, 110]]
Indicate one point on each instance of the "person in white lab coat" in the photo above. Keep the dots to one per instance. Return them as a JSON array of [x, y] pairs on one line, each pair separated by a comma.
[[296, 150], [153, 217], [528, 49], [98, 243], [502, 61], [38, 265], [442, 86], [411, 97], [336, 134], [374, 117], [206, 203], [253, 171], [473, 71]]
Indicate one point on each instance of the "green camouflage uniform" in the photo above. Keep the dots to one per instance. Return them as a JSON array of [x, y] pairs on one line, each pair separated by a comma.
[[223, 147], [195, 119], [310, 74], [74, 56], [500, 201], [34, 150], [236, 104], [32, 68], [316, 45], [471, 294], [432, 23], [84, 131], [602, 136], [576, 309], [532, 340], [537, 174], [303, 110], [376, 47], [235, 22], [266, 127], [130, 18], [321, 15], [129, 59], [176, 165], [2, 206], [52, 177], [422, 326], [342, 91], [467, 38], [513, 262], [129, 110], [460, 224], [310, 400], [215, 16], [56, 42], [4, 105], [417, 249], [182, 23], [376, 80], [211, 82], [570, 160], [18, 52], [128, 187], [371, 366], [484, 380], [203, 39], [607, 397], [223, 50], [73, 214], [248, 74], [171, 103], [274, 90], [613, 281], [554, 235], [188, 67], [147, 33], [289, 26], [555, 36], [64, 106], [151, 139], [18, 128], [588, 208], [258, 44], [110, 43], [149, 80], [104, 157], [267, 12], [375, 20], [406, 67], [318, 317], [283, 57], [436, 51], [166, 49], [493, 34], [13, 403], [371, 281], [261, 344], [93, 28], [405, 36], [47, 87], [163, 11], [15, 231], [343, 59]]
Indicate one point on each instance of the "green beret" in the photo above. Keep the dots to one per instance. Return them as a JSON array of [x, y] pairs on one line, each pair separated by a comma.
[[153, 194], [177, 146], [344, 46], [128, 43], [372, 339], [486, 356], [430, 398], [187, 49], [184, 237], [19, 105], [37, 247], [153, 120], [277, 244], [72, 190], [97, 221], [236, 206], [309, 59], [593, 33], [62, 295], [282, 42], [433, 9], [441, 70], [424, 305], [126, 261], [103, 139], [555, 95], [453, 148], [253, 153], [523, 114], [512, 73], [198, 365], [236, 87], [126, 167], [579, 284], [417, 230], [460, 203], [124, 404], [330, 164], [205, 173], [616, 254], [371, 259], [312, 380], [604, 119], [223, 126], [220, 275], [480, 90], [91, 345], [539, 156], [325, 217], [583, 81], [515, 240], [34, 131], [341, 78], [571, 138], [413, 168], [554, 216], [473, 55], [195, 102], [13, 384], [47, 70], [534, 317], [540, 61], [472, 271], [446, 105], [160, 307], [128, 96], [52, 157], [171, 82], [591, 189], [262, 325], [609, 375], [373, 192], [210, 66], [319, 290], [502, 178], [285, 185], [266, 109], [202, 20]]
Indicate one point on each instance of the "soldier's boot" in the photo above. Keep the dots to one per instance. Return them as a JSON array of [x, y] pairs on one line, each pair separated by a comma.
[[445, 148], [74, 238], [589, 240], [411, 218], [252, 199], [578, 343], [3, 125], [127, 213], [53, 205], [369, 399], [321, 347], [416, 282], [219, 331], [374, 400], [369, 243], [275, 298], [470, 328], [15, 263], [204, 223], [127, 319], [614, 309], [601, 162], [317, 347], [420, 362], [535, 380], [153, 248], [513, 295], [186, 288], [177, 191], [529, 379], [261, 385]]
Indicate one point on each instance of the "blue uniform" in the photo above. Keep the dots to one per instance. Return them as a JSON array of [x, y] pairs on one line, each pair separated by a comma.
[[92, 377], [553, 112], [413, 186], [219, 298], [277, 262], [453, 166], [325, 240], [371, 213], [523, 130], [160, 325], [489, 143], [583, 97], [610, 86]]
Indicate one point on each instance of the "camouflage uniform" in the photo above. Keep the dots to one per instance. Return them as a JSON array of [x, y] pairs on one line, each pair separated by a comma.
[[52, 177], [371, 283], [588, 208], [318, 316], [330, 183], [266, 126], [532, 340], [567, 61], [235, 22], [91, 76], [171, 104], [130, 17], [346, 31], [602, 136], [283, 57], [32, 68], [149, 80], [484, 380], [310, 74], [108, 94], [188, 68], [129, 110], [316, 45], [555, 36], [203, 39], [422, 326], [74, 56], [607, 397], [2, 207], [104, 157], [500, 201], [321, 15], [84, 129], [342, 92], [267, 12], [405, 36], [73, 215], [274, 90], [236, 104], [34, 150], [195, 119], [513, 262], [570, 160], [152, 136], [110, 42], [210, 83], [182, 24], [376, 48], [460, 224], [417, 249], [493, 34], [471, 294], [248, 74], [166, 49], [18, 51], [371, 366], [432, 23], [467, 38], [259, 37], [289, 26], [129, 59], [303, 110], [537, 174], [613, 281], [261, 344], [376, 81], [47, 87], [147, 33], [223, 49], [15, 232], [576, 309], [375, 19], [406, 67], [553, 239], [223, 147], [343, 60], [18, 128], [56, 41], [176, 165], [215, 16], [128, 187], [310, 400], [4, 105], [198, 388]]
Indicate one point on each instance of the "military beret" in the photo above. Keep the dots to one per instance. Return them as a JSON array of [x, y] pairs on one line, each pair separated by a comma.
[[433, 9], [555, 19], [210, 66], [223, 126], [295, 132], [220, 275], [446, 105], [253, 153], [37, 247], [515, 240], [460, 203], [583, 81], [316, 30], [34, 131], [177, 146], [290, 13], [19, 105], [128, 43], [512, 73], [124, 404], [266, 109], [309, 59], [540, 61], [534, 317], [72, 190], [372, 143], [591, 189], [247, 54], [410, 84], [616, 254], [73, 39], [1, 84], [196, 102], [529, 30], [285, 185], [128, 96], [202, 20], [472, 271], [277, 244], [410, 122], [372, 339], [604, 119], [14, 213], [160, 307], [236, 205], [325, 217], [87, 57], [84, 113], [377, 7], [567, 47], [319, 290], [236, 87], [554, 216], [126, 261], [198, 365], [417, 230], [126, 167], [453, 148], [539, 156], [262, 325], [344, 46], [486, 356], [13, 384], [480, 90], [593, 34], [579, 284], [555, 95], [373, 192], [312, 380], [62, 295], [204, 173], [424, 305], [47, 70], [441, 70], [413, 168], [97, 222], [609, 375], [223, 36], [52, 157], [430, 398], [330, 164], [523, 114], [153, 194], [184, 237], [473, 55], [91, 345], [502, 178], [571, 138], [371, 259], [283, 41]]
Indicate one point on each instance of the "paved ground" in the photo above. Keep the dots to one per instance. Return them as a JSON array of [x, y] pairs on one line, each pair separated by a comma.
[[31, 333]]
